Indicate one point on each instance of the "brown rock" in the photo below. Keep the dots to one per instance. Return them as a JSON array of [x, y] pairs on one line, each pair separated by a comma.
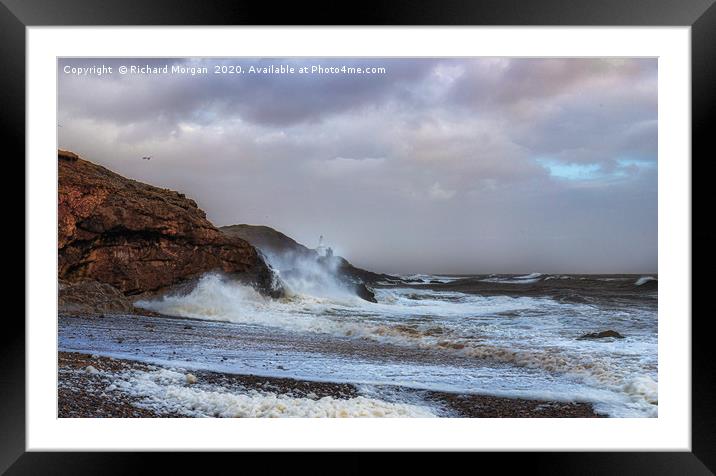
[[67, 155], [139, 238], [88, 296]]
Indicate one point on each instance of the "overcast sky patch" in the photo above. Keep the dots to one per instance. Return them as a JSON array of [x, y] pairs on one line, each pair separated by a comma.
[[438, 165]]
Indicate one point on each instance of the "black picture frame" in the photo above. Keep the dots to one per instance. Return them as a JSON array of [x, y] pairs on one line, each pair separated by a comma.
[[700, 15]]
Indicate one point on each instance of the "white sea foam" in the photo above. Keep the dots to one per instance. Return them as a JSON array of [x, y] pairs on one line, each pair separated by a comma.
[[168, 391], [461, 324], [644, 387], [426, 279], [526, 279], [644, 280], [220, 299]]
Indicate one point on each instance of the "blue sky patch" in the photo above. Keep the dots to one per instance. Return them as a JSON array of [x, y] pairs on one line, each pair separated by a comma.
[[571, 171]]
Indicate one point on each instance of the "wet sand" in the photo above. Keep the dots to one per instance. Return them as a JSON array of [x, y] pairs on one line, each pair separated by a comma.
[[83, 394]]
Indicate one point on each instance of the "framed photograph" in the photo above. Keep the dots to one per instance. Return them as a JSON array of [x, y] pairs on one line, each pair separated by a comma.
[[465, 226]]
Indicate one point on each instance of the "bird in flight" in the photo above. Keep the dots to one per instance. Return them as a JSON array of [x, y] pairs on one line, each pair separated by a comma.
[[147, 157]]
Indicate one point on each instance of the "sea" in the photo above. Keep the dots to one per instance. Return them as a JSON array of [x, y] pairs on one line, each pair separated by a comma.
[[516, 335]]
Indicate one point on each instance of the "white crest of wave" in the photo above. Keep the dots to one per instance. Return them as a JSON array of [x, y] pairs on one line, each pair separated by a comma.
[[525, 279], [167, 390], [427, 278], [644, 280], [221, 299], [218, 298]]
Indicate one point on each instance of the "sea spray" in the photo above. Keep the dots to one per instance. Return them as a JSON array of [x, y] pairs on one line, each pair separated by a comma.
[[527, 332], [310, 274]]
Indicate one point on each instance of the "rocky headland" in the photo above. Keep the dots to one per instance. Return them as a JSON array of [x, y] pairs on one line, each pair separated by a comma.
[[138, 239], [120, 240]]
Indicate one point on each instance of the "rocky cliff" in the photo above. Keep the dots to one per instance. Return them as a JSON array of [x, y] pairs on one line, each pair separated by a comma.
[[139, 238]]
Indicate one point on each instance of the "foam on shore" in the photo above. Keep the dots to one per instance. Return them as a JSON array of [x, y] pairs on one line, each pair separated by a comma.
[[169, 390]]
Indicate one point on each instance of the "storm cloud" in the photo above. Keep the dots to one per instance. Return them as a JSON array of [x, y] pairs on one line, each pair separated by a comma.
[[470, 165]]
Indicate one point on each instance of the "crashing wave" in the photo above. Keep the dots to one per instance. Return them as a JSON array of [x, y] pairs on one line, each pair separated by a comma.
[[405, 317]]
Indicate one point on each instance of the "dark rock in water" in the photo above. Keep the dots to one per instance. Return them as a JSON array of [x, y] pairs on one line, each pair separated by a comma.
[[139, 238], [603, 334], [364, 292], [347, 269]]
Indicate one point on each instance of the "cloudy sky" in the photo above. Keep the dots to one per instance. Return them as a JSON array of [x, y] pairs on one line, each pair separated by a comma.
[[478, 165]]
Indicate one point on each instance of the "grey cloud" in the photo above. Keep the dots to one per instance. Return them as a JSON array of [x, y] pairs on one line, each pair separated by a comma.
[[269, 99], [437, 166]]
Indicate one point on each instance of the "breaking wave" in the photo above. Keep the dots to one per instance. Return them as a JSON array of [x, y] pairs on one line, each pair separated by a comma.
[[644, 279], [470, 326], [426, 279], [310, 274], [526, 279]]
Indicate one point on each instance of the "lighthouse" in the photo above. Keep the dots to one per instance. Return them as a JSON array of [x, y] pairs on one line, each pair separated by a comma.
[[325, 251]]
